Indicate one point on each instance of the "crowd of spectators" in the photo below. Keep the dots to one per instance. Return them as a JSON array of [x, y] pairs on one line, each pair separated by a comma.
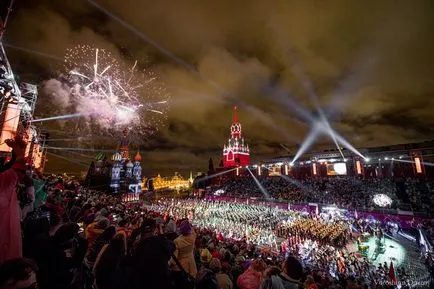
[[343, 191], [87, 239], [420, 194], [57, 234]]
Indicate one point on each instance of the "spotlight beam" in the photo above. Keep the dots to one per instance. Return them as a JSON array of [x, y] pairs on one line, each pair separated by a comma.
[[261, 188], [39, 53], [258, 113], [68, 159], [82, 155], [310, 118], [411, 162], [293, 181], [66, 116], [78, 149], [218, 174], [307, 143], [304, 79]]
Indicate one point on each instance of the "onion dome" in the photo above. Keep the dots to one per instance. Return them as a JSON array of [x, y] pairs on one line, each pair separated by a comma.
[[100, 157], [138, 157], [117, 157], [130, 164]]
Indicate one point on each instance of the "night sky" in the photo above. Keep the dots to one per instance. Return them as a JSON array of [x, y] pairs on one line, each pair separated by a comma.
[[370, 64]]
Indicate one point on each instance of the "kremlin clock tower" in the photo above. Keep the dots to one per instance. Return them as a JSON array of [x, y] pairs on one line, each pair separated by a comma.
[[236, 152]]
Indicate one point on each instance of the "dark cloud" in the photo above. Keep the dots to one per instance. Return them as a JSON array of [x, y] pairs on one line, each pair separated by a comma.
[[369, 62]]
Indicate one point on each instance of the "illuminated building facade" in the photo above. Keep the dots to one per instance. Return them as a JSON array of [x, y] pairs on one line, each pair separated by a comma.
[[121, 174], [236, 152], [177, 182], [126, 173], [395, 161]]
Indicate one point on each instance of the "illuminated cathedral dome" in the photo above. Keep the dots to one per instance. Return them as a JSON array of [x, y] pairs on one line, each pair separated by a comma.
[[117, 157], [130, 164], [138, 157], [100, 157]]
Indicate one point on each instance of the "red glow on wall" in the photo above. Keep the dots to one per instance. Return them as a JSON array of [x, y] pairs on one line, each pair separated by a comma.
[[10, 125], [37, 156]]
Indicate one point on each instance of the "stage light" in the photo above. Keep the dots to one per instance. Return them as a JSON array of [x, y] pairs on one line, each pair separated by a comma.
[[367, 160], [418, 164], [386, 158], [340, 168], [291, 164], [358, 167], [382, 200]]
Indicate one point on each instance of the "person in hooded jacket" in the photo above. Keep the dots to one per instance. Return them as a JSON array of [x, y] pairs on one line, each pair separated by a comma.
[[147, 266], [185, 248], [252, 277], [92, 254], [10, 228], [106, 269], [289, 278]]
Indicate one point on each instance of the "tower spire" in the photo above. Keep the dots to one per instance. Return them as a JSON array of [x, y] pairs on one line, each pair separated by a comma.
[[235, 112], [236, 152]]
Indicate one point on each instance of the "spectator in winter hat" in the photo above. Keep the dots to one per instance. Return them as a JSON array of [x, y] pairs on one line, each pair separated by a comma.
[[185, 227], [205, 256], [185, 249], [252, 278], [223, 279]]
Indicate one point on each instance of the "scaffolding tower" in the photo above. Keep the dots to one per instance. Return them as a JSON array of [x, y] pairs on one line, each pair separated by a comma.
[[17, 106]]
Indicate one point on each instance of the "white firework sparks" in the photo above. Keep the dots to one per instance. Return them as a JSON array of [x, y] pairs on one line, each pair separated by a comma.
[[112, 97]]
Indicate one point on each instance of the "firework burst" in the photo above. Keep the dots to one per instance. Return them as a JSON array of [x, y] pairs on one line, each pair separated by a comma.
[[112, 97]]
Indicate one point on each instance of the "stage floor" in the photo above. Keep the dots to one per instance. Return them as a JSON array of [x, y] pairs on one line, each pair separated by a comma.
[[402, 253], [394, 252]]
